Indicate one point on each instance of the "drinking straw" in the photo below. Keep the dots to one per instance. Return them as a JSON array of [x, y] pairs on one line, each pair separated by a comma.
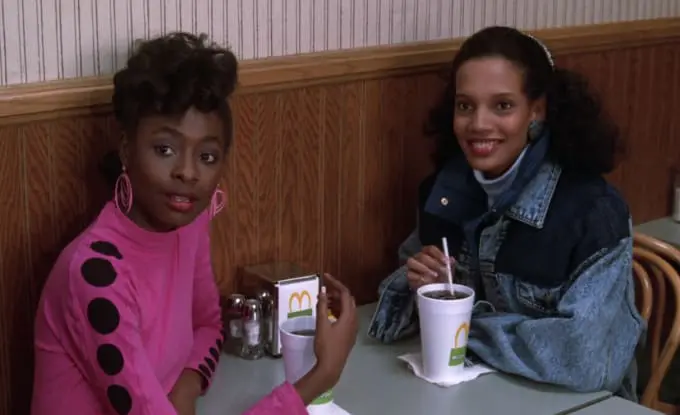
[[449, 274]]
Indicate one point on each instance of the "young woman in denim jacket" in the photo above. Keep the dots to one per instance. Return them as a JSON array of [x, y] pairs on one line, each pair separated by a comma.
[[536, 230]]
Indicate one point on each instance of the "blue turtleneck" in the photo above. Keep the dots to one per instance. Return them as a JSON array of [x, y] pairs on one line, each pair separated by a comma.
[[495, 187]]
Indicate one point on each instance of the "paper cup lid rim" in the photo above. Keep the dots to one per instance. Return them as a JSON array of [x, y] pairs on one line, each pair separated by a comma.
[[438, 286], [299, 336]]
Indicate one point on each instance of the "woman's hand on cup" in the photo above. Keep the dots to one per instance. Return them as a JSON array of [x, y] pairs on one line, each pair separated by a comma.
[[333, 341], [427, 267]]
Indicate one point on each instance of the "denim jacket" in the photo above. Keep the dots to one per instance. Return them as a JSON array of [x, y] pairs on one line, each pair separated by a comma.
[[552, 255]]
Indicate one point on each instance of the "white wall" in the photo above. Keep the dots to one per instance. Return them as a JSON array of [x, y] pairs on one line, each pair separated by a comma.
[[55, 39]]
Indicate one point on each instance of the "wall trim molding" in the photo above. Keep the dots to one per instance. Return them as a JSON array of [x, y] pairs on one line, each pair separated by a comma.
[[30, 102]]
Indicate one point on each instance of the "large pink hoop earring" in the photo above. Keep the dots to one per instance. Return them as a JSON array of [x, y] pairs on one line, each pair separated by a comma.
[[123, 192], [217, 202]]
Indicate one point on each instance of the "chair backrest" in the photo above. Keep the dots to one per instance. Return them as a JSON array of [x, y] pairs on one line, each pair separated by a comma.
[[655, 268], [643, 290]]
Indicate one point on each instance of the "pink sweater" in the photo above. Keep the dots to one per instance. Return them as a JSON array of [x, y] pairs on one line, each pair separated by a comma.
[[123, 313]]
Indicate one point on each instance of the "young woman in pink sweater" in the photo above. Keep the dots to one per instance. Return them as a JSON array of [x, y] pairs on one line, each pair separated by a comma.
[[129, 320]]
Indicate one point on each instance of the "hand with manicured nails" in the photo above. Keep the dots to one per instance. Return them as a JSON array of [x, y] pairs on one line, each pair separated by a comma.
[[333, 341]]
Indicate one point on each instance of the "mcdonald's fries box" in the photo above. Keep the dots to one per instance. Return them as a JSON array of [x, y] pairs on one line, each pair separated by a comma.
[[286, 290]]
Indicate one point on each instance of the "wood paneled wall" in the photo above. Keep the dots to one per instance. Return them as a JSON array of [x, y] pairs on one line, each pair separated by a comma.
[[327, 156]]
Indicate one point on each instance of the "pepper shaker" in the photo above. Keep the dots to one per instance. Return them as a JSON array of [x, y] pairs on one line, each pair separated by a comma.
[[268, 313]]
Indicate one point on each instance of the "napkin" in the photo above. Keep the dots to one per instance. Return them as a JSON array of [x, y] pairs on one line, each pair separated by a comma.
[[469, 372], [327, 409]]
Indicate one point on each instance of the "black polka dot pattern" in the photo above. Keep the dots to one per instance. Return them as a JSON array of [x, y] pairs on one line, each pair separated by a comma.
[[120, 399], [214, 353], [210, 363], [106, 248], [110, 359], [103, 315], [219, 344], [98, 272]]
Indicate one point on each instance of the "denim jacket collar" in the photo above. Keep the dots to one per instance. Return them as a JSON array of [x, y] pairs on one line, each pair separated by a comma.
[[532, 205]]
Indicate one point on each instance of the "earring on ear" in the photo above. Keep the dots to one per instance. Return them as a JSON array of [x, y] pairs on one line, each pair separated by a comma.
[[217, 202], [535, 129], [122, 193]]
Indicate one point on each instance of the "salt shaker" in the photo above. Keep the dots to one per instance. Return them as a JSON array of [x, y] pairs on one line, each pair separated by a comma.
[[233, 324], [676, 195], [252, 347]]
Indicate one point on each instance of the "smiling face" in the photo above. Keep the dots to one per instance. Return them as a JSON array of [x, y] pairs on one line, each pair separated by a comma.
[[174, 165], [492, 114]]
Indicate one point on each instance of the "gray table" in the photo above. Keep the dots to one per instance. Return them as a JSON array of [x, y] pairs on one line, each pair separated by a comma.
[[616, 406], [665, 229], [373, 371]]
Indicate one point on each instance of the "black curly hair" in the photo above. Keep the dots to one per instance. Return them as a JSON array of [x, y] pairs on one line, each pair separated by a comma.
[[167, 76], [583, 138]]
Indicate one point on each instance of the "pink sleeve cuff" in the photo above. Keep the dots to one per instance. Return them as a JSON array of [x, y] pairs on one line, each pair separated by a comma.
[[206, 355], [284, 400]]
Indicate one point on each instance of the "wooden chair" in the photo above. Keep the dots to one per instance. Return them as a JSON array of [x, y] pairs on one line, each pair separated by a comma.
[[655, 268], [643, 290]]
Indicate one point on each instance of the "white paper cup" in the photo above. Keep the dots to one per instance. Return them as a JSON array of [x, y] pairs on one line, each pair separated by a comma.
[[298, 352], [444, 327]]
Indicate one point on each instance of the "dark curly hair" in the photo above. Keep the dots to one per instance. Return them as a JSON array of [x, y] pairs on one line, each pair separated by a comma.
[[167, 76], [583, 137]]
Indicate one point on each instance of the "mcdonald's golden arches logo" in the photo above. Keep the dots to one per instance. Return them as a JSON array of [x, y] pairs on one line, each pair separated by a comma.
[[457, 354], [304, 308], [462, 329]]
